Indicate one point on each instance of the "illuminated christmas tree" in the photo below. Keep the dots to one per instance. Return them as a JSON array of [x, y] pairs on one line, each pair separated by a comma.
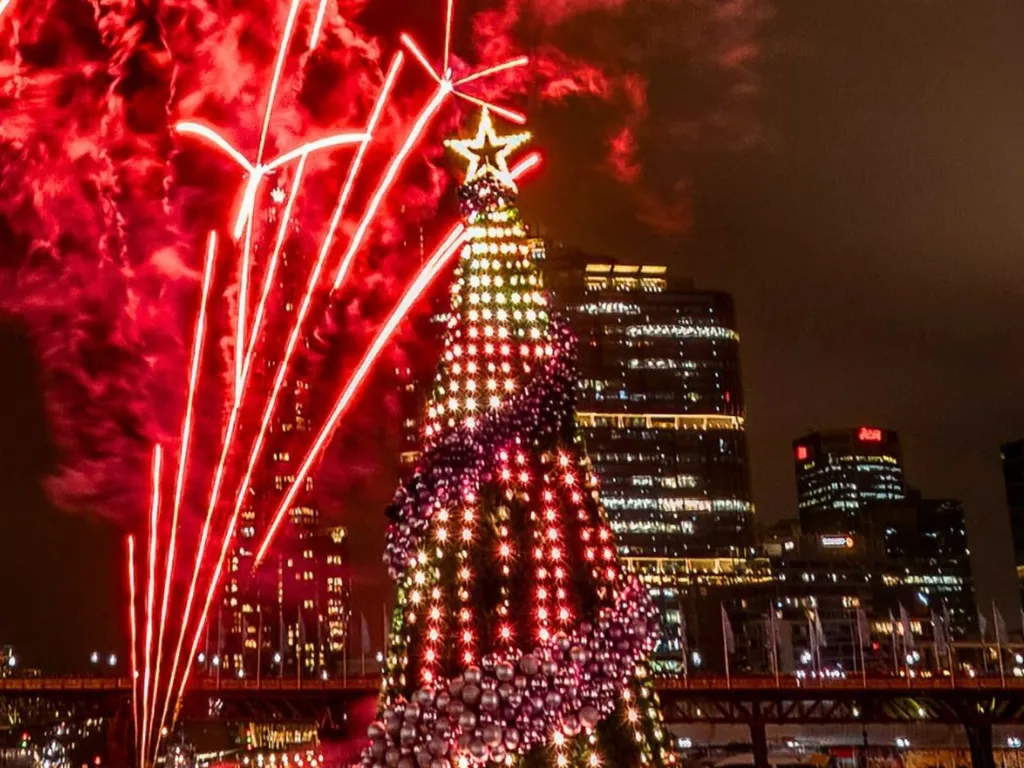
[[518, 637]]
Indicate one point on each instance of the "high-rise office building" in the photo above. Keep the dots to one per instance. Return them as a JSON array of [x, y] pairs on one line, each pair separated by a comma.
[[660, 406], [661, 410], [840, 471], [291, 614], [1013, 477]]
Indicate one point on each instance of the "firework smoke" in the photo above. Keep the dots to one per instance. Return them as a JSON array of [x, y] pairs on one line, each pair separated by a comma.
[[103, 211]]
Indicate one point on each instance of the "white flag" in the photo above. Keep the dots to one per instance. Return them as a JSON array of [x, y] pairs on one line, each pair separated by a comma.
[[939, 635], [818, 630], [364, 634], [908, 636], [863, 629], [1002, 637], [684, 643], [727, 636]]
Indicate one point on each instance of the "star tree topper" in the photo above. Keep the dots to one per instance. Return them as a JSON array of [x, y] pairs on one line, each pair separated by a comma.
[[487, 152]]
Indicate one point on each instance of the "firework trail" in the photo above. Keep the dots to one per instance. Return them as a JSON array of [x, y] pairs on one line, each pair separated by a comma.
[[179, 482], [133, 637], [154, 521]]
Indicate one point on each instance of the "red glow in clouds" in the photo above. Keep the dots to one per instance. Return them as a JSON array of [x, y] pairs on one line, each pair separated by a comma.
[[179, 200]]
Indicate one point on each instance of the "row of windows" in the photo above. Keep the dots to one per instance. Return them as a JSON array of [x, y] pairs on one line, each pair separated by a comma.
[[652, 526], [617, 501]]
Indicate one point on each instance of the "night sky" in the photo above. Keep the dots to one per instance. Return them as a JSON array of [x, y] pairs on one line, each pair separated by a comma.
[[862, 203]]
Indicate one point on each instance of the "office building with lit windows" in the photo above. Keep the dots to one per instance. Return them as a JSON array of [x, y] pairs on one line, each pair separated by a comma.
[[289, 616], [1013, 477], [840, 471], [660, 407]]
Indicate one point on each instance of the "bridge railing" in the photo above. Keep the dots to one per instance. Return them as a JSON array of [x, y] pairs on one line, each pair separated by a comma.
[[766, 682], [42, 685]]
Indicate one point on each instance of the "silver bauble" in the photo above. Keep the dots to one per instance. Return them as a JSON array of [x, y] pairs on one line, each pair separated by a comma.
[[392, 722], [497, 754], [489, 701], [408, 734], [478, 750], [529, 664], [491, 734], [375, 730], [467, 720], [424, 758], [455, 687], [392, 757], [471, 694], [412, 712], [571, 725], [437, 746], [589, 717], [504, 672], [512, 738], [553, 701], [473, 675], [550, 668]]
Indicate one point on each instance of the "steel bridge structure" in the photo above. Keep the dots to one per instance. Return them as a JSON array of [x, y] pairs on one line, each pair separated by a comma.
[[974, 704]]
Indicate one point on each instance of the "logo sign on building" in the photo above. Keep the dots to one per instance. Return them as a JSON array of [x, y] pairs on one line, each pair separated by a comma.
[[869, 435], [836, 542]]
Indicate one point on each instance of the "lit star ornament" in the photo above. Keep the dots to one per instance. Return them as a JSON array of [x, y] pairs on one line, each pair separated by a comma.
[[487, 152]]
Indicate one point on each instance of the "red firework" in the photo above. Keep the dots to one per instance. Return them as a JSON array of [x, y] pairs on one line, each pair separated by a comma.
[[164, 679]]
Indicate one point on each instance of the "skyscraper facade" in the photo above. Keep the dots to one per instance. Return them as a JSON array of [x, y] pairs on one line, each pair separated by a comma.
[[1013, 476], [289, 616], [660, 406], [840, 471], [661, 411]]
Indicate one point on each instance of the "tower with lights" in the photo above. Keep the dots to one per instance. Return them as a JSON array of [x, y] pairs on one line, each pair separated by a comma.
[[517, 636]]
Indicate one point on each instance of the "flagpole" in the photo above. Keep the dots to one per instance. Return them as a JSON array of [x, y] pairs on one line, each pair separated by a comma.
[[684, 650], [775, 647], [895, 657], [862, 637], [997, 619], [863, 668], [952, 663], [725, 647]]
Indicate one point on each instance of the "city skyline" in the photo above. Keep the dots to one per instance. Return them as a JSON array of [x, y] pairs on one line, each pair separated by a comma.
[[827, 349]]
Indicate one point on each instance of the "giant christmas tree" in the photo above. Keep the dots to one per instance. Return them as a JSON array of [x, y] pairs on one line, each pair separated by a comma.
[[517, 637]]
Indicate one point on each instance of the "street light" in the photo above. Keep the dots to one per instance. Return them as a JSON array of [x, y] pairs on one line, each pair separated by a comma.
[[94, 657], [112, 660]]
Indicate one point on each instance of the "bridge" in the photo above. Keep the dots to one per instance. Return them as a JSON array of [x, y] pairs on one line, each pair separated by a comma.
[[974, 704]]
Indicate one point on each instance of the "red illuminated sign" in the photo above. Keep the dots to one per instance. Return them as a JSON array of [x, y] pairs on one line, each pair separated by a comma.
[[801, 452], [870, 435]]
